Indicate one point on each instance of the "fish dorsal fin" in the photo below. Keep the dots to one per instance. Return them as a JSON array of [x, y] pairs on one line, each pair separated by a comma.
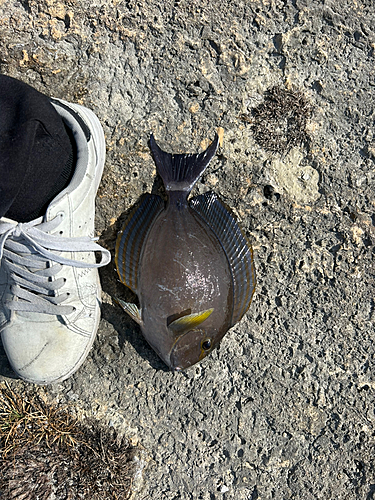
[[131, 309], [189, 321], [132, 236], [181, 171], [236, 247]]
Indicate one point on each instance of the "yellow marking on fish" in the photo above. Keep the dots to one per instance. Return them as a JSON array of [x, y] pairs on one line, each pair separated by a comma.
[[190, 321]]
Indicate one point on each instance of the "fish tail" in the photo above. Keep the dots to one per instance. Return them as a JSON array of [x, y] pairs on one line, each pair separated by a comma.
[[181, 171]]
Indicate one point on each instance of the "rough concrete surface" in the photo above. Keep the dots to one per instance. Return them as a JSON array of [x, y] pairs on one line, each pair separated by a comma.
[[284, 409]]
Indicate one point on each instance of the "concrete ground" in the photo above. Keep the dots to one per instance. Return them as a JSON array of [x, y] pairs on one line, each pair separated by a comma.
[[284, 409]]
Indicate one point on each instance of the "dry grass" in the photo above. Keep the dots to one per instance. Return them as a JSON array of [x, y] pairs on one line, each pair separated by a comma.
[[46, 453], [280, 122]]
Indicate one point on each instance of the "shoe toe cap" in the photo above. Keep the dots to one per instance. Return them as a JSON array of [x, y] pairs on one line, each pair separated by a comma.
[[47, 352]]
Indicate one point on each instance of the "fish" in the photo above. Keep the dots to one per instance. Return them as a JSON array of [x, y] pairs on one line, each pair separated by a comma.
[[187, 260]]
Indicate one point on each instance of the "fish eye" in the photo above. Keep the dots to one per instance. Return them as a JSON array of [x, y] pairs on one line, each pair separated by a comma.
[[206, 344]]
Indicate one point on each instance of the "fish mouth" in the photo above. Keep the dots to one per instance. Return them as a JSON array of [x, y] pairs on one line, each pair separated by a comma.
[[187, 350]]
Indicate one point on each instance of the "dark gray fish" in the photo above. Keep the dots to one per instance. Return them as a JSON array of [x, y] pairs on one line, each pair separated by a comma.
[[189, 263]]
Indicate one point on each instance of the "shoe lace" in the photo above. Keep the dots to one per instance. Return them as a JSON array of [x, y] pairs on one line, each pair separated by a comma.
[[29, 254]]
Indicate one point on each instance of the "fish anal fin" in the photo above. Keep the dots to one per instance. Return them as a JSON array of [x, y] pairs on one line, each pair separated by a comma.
[[131, 309], [130, 239], [235, 245], [189, 321]]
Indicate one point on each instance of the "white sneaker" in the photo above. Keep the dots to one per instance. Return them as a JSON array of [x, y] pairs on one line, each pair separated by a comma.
[[49, 282]]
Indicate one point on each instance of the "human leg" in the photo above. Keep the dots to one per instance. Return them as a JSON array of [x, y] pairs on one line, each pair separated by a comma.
[[36, 151], [49, 284]]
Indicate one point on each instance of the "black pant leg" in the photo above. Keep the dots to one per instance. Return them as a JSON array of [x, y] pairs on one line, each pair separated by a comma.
[[36, 152]]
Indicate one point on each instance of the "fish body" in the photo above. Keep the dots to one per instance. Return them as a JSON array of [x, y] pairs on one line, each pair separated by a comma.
[[188, 262]]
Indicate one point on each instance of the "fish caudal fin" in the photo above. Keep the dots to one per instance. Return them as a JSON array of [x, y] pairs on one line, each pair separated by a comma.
[[181, 171], [131, 309], [235, 245]]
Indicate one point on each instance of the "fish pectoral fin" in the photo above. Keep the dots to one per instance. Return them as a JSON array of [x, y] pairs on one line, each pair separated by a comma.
[[190, 321], [173, 317], [133, 311]]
